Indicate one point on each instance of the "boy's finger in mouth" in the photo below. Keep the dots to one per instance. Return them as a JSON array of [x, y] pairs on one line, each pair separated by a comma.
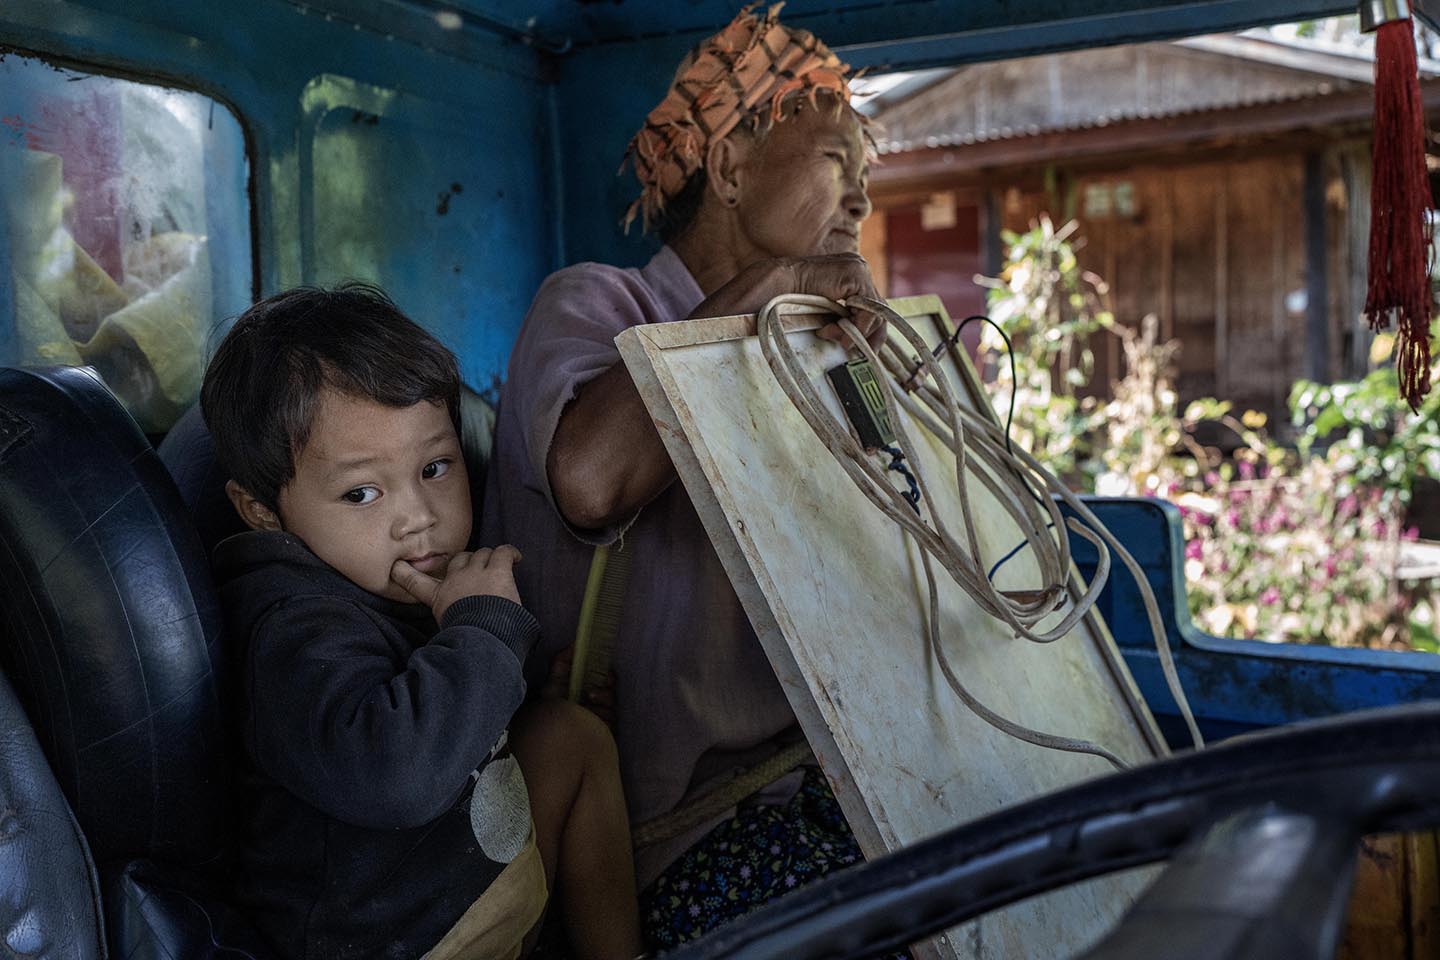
[[429, 563]]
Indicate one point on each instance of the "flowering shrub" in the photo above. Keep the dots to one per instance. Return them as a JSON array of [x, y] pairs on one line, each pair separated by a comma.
[[1292, 552], [1049, 308], [1297, 545], [1367, 429]]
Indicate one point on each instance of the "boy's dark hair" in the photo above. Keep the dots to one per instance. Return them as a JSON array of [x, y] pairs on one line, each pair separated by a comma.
[[263, 384]]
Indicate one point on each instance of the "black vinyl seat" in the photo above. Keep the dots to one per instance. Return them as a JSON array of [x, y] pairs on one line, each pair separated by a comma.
[[51, 904], [111, 638], [110, 633]]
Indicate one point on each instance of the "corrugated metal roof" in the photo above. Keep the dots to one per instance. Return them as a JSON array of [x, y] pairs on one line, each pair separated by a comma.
[[969, 137], [945, 108]]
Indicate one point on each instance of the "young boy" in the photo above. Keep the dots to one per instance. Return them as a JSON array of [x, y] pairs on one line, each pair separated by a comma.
[[382, 662]]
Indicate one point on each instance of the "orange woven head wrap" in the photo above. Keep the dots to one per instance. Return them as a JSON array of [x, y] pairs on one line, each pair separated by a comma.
[[753, 64]]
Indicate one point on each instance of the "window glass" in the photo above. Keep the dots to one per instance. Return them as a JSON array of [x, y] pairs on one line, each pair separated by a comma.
[[124, 231]]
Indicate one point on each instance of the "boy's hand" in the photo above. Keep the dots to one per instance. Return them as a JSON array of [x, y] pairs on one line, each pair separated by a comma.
[[484, 573]]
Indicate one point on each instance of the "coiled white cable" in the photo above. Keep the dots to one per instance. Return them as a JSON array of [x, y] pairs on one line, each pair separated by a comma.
[[980, 450]]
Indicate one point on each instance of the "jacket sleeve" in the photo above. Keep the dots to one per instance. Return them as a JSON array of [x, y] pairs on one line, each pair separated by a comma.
[[334, 722]]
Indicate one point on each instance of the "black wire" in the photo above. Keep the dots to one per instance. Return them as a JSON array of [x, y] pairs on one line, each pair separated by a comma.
[[954, 338], [949, 344], [1018, 547], [897, 458]]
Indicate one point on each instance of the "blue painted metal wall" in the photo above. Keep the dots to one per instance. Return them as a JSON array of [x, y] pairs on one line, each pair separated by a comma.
[[438, 107], [458, 166]]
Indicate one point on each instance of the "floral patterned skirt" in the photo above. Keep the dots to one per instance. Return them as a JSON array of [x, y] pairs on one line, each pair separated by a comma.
[[761, 854]]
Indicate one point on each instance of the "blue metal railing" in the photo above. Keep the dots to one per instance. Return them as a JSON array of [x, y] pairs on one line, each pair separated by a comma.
[[1233, 685]]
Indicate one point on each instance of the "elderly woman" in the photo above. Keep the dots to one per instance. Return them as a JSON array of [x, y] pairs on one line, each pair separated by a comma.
[[753, 173]]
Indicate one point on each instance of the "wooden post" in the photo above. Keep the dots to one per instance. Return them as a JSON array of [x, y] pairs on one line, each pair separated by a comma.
[[1280, 234], [1317, 276], [1222, 288], [1167, 257], [991, 249]]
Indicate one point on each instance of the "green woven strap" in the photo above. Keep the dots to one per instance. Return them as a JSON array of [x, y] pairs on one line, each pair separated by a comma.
[[590, 667], [594, 651]]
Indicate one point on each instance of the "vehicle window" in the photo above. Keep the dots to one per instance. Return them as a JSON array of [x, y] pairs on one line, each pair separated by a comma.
[[124, 230], [1174, 236]]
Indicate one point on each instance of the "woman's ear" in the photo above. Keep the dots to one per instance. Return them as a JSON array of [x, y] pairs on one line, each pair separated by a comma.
[[724, 167], [256, 515]]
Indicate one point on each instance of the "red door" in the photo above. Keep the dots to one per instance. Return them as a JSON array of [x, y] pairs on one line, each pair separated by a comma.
[[942, 260]]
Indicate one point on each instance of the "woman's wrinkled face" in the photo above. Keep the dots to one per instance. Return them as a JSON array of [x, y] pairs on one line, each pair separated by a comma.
[[803, 189]]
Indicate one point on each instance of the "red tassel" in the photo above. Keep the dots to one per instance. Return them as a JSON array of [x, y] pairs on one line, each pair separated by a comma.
[[1399, 196]]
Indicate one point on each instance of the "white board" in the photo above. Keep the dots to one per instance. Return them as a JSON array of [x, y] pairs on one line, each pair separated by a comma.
[[835, 594]]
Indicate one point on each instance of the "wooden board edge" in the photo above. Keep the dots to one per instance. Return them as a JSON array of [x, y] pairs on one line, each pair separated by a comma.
[[638, 346]]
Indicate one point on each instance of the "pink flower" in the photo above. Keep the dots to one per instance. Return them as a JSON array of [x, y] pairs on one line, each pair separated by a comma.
[[1270, 597], [1347, 505], [1192, 550], [1232, 518], [1410, 533], [1331, 566]]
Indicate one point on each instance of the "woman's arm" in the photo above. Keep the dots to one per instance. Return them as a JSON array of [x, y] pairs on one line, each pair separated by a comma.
[[607, 459]]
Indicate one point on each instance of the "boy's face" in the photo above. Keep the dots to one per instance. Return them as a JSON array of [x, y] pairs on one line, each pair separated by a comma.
[[376, 484]]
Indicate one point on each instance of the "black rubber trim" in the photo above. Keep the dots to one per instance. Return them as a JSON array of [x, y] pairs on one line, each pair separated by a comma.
[[1375, 771]]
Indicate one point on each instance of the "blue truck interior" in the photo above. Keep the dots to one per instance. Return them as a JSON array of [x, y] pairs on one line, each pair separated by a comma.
[[459, 164]]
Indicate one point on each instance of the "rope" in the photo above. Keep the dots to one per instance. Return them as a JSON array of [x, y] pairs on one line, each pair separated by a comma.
[[981, 453], [708, 806]]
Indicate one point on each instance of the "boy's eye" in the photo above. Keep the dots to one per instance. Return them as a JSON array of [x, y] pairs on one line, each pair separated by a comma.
[[435, 468], [361, 495]]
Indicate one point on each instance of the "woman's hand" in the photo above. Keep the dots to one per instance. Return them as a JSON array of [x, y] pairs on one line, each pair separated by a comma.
[[838, 276]]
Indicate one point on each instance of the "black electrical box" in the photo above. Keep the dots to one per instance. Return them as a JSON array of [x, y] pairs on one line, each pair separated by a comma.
[[863, 398]]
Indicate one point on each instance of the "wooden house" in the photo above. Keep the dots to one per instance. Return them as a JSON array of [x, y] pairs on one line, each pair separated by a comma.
[[1221, 183]]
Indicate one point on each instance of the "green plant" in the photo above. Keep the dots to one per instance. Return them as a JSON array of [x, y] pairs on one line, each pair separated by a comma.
[[1281, 544], [1049, 308], [1366, 428]]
